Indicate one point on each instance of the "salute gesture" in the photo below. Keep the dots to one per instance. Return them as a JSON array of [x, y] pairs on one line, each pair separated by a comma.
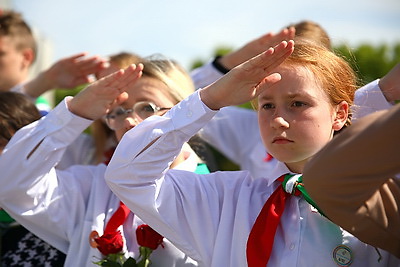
[[103, 95], [248, 80]]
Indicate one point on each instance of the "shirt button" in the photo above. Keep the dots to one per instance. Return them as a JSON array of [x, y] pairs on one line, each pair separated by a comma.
[[291, 246], [189, 113]]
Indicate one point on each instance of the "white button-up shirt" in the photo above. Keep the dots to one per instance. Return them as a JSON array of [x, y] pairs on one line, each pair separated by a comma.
[[63, 207], [210, 216]]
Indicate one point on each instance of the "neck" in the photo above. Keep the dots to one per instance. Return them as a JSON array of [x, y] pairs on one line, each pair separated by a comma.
[[296, 167], [179, 159]]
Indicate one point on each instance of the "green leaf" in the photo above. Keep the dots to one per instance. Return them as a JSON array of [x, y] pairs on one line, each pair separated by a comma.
[[130, 262], [107, 263]]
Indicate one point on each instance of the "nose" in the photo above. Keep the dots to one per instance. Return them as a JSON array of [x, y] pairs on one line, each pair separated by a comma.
[[279, 122], [131, 122]]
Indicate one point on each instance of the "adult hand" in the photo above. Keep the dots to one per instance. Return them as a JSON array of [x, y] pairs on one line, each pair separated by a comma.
[[247, 80]]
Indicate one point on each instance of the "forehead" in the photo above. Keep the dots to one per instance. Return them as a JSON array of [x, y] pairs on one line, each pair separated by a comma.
[[297, 73], [149, 89], [295, 80], [6, 42]]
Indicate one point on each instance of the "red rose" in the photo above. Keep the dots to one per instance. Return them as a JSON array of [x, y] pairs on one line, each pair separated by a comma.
[[110, 243], [147, 237]]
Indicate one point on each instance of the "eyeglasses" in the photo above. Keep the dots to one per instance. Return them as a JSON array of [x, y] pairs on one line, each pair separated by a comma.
[[144, 109]]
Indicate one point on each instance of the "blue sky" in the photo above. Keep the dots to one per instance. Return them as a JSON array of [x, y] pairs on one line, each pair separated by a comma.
[[190, 29]]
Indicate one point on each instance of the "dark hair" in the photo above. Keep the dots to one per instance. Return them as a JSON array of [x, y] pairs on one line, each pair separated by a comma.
[[16, 111], [14, 26]]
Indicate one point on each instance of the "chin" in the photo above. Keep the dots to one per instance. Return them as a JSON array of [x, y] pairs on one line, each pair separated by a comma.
[[119, 136]]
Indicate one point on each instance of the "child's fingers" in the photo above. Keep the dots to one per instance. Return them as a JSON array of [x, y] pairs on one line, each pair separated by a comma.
[[279, 53], [86, 66], [267, 82], [115, 102], [266, 62], [262, 65], [131, 74], [122, 98], [77, 56], [111, 79]]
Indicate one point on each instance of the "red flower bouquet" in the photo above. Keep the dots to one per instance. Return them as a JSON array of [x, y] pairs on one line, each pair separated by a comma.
[[147, 237], [111, 245], [148, 240]]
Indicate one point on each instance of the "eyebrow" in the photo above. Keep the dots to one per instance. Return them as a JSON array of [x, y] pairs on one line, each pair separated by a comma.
[[290, 95]]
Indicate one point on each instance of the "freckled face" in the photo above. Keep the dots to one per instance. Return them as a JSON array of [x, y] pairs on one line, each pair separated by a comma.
[[295, 117]]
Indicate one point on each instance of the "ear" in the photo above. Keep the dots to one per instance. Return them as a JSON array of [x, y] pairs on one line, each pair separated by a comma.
[[28, 57], [341, 115]]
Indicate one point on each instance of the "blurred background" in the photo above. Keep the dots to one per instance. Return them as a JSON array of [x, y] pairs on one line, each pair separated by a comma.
[[192, 31]]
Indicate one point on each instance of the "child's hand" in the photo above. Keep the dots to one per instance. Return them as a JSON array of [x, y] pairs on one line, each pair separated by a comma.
[[67, 73], [103, 95], [247, 80], [73, 71], [255, 47]]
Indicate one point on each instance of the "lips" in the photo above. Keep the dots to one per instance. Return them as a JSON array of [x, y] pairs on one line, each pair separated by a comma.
[[281, 140]]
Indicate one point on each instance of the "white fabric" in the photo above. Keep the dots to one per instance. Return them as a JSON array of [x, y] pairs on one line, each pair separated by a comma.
[[63, 206], [205, 75], [79, 152], [234, 132], [369, 99], [210, 216], [291, 183]]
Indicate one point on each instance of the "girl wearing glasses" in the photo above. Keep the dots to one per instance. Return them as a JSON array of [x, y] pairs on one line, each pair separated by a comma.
[[73, 209]]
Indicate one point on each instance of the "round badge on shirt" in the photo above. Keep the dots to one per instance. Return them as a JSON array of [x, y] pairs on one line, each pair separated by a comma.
[[342, 255]]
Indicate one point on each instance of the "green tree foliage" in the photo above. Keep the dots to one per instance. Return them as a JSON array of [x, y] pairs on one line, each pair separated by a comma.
[[370, 62]]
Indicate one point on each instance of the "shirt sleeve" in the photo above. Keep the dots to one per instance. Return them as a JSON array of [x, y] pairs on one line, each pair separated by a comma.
[[369, 99], [205, 75], [350, 179], [229, 130], [138, 171], [32, 191]]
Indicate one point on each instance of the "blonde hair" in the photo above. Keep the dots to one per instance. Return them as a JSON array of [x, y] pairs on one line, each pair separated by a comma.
[[124, 59], [173, 75], [313, 31], [332, 72]]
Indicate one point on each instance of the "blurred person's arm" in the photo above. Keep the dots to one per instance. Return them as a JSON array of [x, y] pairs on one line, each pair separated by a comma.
[[377, 95], [355, 179], [390, 84]]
